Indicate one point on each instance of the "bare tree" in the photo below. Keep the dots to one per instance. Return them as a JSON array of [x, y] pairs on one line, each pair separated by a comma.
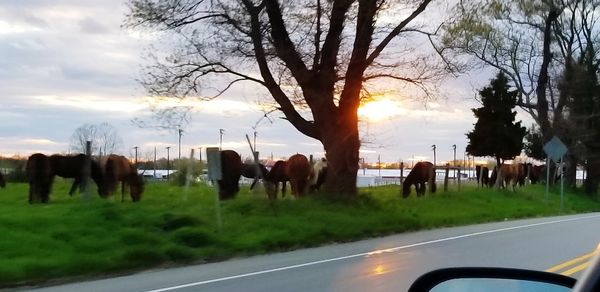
[[104, 137], [314, 57], [536, 43]]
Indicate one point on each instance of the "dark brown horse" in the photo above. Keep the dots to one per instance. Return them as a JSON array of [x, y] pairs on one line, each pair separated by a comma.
[[423, 172], [119, 169], [297, 169], [231, 170], [249, 170], [2, 181], [72, 166], [275, 176], [318, 174], [536, 173], [40, 177], [483, 175]]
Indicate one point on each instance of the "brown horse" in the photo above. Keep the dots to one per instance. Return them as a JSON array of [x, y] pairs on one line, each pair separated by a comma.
[[508, 174], [72, 166], [297, 169], [2, 181], [231, 170], [249, 170], [420, 174], [273, 178], [118, 169], [40, 177]]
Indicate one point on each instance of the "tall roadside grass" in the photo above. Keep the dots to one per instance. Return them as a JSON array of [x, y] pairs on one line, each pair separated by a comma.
[[73, 237]]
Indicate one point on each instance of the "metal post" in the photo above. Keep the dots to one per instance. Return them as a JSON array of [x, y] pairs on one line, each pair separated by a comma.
[[136, 151], [180, 133], [154, 163], [434, 158], [221, 131], [87, 170], [547, 176], [168, 161], [562, 174], [454, 162]]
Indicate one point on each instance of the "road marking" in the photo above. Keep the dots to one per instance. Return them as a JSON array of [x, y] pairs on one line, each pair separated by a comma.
[[571, 262], [576, 269], [393, 249]]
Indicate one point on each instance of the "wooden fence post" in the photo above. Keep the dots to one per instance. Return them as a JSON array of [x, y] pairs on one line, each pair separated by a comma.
[[458, 178]]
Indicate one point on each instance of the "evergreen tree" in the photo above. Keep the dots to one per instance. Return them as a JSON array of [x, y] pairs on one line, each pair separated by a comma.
[[496, 133], [534, 143]]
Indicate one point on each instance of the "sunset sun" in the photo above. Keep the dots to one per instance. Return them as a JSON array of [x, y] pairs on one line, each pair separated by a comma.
[[379, 110]]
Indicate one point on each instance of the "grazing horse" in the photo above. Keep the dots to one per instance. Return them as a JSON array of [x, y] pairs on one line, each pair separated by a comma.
[[231, 170], [483, 175], [297, 169], [536, 173], [423, 172], [275, 176], [40, 177], [117, 168], [72, 167], [318, 174], [508, 174], [2, 181], [249, 170]]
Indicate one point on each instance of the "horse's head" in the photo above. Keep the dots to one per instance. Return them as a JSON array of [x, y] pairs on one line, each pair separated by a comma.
[[136, 187], [405, 189], [270, 188]]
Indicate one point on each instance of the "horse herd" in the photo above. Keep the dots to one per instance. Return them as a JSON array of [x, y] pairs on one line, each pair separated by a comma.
[[41, 170], [504, 176], [112, 169], [297, 170]]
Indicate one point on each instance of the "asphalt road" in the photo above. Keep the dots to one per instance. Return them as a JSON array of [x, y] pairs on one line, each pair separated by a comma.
[[382, 264]]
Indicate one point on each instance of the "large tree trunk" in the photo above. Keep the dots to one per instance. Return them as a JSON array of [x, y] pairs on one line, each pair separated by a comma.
[[341, 144], [593, 177], [571, 169]]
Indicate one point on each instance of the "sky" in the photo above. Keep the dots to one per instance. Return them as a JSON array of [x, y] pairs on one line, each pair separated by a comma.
[[65, 63]]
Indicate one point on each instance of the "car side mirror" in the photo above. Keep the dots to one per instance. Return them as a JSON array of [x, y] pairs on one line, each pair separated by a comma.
[[491, 280]]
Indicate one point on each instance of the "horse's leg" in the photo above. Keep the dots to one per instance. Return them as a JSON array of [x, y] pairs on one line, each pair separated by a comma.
[[282, 189], [76, 183], [31, 192], [122, 191]]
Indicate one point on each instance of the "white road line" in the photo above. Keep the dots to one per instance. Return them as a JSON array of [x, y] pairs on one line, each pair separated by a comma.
[[393, 249]]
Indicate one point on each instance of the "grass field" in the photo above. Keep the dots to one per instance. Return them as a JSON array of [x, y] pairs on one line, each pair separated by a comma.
[[72, 237]]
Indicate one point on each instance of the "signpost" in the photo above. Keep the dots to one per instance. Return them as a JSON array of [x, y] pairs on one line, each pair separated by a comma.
[[555, 150], [213, 159]]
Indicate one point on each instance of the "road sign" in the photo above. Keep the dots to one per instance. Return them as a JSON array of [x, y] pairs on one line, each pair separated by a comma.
[[555, 149], [213, 157]]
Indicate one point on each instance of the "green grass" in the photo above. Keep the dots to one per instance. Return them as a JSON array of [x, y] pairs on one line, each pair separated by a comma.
[[71, 237]]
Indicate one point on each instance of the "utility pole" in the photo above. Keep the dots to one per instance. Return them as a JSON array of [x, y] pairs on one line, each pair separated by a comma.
[[221, 131], [255, 141], [168, 158], [180, 131], [434, 158], [136, 149], [454, 162], [154, 163]]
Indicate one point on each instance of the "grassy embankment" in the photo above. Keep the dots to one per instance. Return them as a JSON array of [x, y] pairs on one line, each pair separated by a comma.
[[73, 237]]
